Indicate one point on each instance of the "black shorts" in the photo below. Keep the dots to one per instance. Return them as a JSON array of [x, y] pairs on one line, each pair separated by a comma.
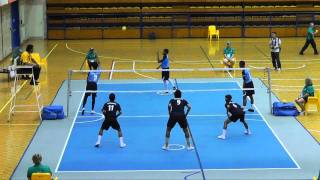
[[113, 122], [91, 64], [235, 118], [91, 86], [165, 74], [248, 92], [180, 119], [305, 99]]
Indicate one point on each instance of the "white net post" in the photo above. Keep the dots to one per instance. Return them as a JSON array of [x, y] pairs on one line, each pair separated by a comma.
[[69, 92], [269, 88]]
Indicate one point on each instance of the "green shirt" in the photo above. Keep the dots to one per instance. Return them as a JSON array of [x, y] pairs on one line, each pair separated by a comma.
[[229, 52], [310, 33], [91, 56], [309, 90], [38, 169]]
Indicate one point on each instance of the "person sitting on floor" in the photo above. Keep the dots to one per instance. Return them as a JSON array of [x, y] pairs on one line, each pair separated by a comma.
[[307, 91], [28, 60], [37, 167]]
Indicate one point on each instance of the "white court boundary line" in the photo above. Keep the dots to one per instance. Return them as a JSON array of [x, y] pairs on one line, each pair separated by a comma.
[[70, 130], [282, 69], [158, 82], [112, 68], [101, 117], [293, 79], [312, 130], [182, 170], [273, 132], [191, 61], [135, 171], [134, 70], [291, 86], [155, 91]]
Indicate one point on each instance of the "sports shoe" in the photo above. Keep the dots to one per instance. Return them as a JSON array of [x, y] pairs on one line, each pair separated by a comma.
[[92, 112], [122, 145], [190, 148], [251, 110], [301, 53], [174, 88], [164, 147], [247, 132], [82, 113], [97, 145], [222, 137]]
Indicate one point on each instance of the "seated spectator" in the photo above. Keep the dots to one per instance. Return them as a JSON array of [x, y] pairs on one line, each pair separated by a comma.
[[38, 167], [27, 59], [229, 59], [307, 91]]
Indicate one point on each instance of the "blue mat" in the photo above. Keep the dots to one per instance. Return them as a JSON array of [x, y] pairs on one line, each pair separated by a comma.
[[144, 121]]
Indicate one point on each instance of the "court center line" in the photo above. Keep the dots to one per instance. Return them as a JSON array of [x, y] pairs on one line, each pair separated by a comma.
[[277, 137], [68, 137]]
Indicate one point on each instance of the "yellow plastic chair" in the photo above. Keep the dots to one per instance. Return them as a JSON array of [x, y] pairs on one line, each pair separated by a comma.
[[313, 101], [42, 176], [212, 31], [41, 62]]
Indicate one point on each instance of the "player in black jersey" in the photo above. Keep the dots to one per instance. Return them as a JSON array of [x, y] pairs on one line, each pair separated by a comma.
[[234, 112], [111, 111], [177, 115]]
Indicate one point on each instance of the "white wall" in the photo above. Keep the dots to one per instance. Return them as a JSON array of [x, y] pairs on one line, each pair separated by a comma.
[[22, 16], [32, 19], [6, 30], [1, 55]]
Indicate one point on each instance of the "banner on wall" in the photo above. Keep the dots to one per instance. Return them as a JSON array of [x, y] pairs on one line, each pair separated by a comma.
[[4, 2]]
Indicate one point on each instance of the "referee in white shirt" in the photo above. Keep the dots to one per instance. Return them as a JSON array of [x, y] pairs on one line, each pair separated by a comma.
[[275, 46]]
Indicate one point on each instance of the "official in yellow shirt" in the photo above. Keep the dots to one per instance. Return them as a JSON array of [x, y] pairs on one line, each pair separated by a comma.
[[27, 59]]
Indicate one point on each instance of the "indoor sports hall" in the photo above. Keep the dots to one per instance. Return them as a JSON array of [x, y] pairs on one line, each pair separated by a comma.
[[51, 50]]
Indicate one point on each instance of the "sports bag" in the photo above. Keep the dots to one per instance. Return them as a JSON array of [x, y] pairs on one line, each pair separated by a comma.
[[52, 112], [284, 109]]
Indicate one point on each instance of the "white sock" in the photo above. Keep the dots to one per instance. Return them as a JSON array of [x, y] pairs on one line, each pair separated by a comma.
[[99, 139], [251, 106], [121, 140], [166, 83], [224, 132]]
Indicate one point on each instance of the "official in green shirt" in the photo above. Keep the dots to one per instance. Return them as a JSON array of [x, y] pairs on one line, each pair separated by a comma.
[[307, 91], [310, 39], [38, 167], [229, 59], [92, 59]]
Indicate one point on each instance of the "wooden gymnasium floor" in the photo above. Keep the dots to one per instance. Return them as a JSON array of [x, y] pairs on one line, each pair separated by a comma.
[[186, 53]]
